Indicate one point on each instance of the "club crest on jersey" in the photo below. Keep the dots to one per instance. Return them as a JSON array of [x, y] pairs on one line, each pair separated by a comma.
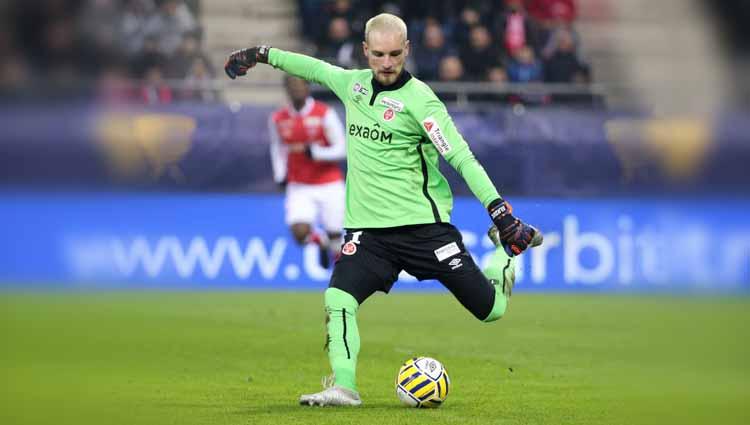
[[436, 135], [392, 103], [388, 114], [349, 248]]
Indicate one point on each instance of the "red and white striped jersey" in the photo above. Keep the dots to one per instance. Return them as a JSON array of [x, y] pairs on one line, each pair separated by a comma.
[[315, 127]]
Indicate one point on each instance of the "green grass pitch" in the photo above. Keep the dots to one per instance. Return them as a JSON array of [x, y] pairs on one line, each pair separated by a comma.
[[244, 358]]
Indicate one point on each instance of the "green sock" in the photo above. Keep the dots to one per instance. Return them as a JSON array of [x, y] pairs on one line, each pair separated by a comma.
[[499, 263], [343, 336]]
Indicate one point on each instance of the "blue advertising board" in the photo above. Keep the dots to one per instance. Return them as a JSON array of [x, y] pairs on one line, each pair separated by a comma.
[[240, 241]]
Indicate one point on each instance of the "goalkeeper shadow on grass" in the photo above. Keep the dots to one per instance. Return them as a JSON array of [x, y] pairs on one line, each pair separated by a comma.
[[294, 407]]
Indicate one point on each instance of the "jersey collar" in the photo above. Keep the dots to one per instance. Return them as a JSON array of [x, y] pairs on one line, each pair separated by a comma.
[[400, 82]]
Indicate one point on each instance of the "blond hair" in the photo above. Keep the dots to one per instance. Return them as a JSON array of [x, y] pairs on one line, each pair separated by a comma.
[[385, 22]]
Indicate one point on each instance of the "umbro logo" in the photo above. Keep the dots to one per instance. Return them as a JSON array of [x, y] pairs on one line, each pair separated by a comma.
[[359, 88], [455, 263]]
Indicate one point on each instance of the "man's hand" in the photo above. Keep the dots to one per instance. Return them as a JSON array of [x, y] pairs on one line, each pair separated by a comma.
[[242, 60], [516, 234]]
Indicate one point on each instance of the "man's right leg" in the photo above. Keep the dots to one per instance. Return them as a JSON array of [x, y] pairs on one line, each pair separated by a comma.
[[342, 342], [343, 336], [360, 272]]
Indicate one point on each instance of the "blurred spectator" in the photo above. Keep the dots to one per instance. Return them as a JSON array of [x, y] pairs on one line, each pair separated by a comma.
[[15, 76], [353, 13], [340, 47], [563, 64], [179, 64], [196, 86], [480, 55], [114, 86], [133, 23], [99, 24], [311, 18], [154, 90], [497, 75], [514, 27], [451, 69], [469, 19], [58, 42], [524, 67], [553, 37], [430, 52], [550, 10], [171, 20]]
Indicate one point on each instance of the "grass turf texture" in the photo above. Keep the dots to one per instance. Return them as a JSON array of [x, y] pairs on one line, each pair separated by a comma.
[[244, 358]]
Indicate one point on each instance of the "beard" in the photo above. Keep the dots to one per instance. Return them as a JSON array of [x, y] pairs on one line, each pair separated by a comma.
[[387, 78]]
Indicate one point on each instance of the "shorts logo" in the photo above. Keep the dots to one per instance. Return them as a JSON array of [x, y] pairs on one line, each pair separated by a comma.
[[349, 248], [455, 263], [388, 114], [447, 251], [436, 135]]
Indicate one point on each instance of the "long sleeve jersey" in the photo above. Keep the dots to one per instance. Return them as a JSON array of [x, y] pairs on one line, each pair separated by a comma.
[[394, 137]]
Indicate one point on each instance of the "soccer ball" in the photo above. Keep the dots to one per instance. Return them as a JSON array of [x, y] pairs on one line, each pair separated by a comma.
[[422, 382]]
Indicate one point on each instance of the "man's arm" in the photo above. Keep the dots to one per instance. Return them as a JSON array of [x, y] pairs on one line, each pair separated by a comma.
[[334, 132], [278, 153], [305, 67], [438, 126], [440, 129]]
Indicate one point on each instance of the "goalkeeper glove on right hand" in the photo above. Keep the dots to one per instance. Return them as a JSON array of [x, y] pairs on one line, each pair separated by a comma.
[[514, 233], [241, 61]]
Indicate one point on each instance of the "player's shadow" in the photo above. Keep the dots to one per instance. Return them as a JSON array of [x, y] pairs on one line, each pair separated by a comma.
[[283, 408]]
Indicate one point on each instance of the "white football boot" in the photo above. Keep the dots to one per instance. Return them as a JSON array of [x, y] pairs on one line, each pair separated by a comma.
[[509, 269], [331, 396]]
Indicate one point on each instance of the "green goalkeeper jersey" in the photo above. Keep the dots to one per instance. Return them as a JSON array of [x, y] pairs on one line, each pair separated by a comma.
[[394, 136]]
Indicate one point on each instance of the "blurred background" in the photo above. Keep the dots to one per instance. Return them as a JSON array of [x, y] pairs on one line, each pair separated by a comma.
[[130, 163], [602, 97], [624, 116]]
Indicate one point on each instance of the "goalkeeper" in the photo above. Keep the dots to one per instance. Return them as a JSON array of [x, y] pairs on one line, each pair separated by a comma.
[[398, 204]]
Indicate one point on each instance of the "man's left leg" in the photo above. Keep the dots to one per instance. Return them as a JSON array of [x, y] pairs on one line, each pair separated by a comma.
[[437, 252], [501, 274]]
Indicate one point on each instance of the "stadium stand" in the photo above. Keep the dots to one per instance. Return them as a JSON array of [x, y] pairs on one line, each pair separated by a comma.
[[489, 37], [117, 51]]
